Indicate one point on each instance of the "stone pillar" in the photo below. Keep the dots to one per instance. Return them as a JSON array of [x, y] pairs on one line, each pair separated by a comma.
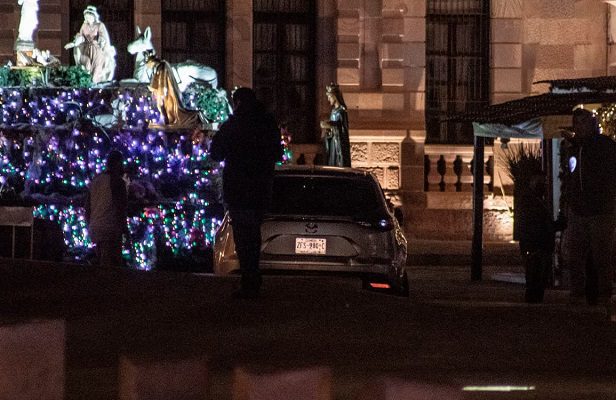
[[9, 19], [66, 34], [239, 43], [611, 37], [390, 389], [305, 384], [325, 53], [407, 59], [32, 360], [148, 13], [143, 378], [370, 41], [412, 161], [50, 34]]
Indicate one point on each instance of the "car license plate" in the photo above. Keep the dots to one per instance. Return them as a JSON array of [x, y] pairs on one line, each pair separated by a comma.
[[310, 246]]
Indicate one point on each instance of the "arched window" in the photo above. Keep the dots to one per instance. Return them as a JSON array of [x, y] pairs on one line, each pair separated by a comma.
[[283, 64], [195, 30], [457, 66], [118, 18]]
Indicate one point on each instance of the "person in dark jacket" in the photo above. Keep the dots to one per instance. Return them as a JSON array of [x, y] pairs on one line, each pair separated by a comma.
[[249, 144], [537, 233], [591, 211], [106, 210]]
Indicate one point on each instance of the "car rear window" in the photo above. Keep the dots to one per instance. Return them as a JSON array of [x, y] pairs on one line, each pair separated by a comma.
[[356, 197]]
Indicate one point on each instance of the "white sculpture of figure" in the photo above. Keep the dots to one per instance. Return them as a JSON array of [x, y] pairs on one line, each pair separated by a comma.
[[185, 73], [92, 48], [27, 23]]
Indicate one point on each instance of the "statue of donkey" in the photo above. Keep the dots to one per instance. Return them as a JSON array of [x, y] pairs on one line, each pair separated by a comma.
[[185, 73]]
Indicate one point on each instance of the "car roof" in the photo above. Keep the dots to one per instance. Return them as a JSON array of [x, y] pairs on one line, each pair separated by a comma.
[[319, 170]]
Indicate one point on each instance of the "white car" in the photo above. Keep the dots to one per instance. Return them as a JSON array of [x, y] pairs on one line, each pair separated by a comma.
[[326, 220]]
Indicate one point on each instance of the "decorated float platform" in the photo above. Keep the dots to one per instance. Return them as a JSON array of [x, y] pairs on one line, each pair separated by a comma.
[[55, 132]]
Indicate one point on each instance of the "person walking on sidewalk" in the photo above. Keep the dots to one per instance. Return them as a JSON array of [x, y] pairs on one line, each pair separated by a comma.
[[249, 144], [591, 211], [106, 210]]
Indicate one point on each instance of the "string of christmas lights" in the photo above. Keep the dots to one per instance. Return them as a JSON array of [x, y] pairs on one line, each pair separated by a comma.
[[53, 141]]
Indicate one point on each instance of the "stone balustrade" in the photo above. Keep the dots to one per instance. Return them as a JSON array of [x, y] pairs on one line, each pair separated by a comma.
[[449, 168]]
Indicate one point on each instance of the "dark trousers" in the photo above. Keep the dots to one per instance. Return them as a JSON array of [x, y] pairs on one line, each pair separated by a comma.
[[247, 237], [537, 266], [589, 243]]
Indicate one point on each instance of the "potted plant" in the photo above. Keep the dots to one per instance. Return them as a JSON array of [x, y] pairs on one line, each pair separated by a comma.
[[523, 162], [533, 224]]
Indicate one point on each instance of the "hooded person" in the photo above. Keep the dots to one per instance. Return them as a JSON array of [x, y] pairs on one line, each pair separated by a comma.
[[249, 144]]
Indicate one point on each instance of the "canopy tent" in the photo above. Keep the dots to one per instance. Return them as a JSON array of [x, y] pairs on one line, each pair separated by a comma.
[[527, 129], [540, 116]]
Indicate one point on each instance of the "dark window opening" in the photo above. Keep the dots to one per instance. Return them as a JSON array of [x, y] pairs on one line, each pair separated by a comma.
[[457, 66], [283, 64], [195, 30]]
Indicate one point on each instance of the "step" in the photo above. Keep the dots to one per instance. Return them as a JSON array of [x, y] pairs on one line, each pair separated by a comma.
[[458, 252]]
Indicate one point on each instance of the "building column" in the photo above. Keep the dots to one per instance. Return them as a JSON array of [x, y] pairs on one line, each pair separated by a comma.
[[239, 43], [370, 38], [325, 52]]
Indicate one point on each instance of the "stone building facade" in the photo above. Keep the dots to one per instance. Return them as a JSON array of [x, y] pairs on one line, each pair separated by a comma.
[[376, 51]]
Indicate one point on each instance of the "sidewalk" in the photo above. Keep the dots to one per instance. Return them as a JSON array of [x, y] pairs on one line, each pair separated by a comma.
[[451, 329], [437, 252]]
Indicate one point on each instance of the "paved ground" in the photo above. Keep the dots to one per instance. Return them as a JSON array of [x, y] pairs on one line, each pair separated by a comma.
[[450, 330]]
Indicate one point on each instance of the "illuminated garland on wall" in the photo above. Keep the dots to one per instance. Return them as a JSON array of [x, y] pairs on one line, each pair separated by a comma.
[[606, 116], [53, 141]]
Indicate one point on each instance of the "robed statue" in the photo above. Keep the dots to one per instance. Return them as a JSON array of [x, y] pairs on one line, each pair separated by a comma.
[[28, 22], [336, 130], [92, 48]]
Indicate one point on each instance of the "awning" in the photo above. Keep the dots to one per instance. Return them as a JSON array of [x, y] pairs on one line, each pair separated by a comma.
[[533, 116], [547, 127], [527, 129]]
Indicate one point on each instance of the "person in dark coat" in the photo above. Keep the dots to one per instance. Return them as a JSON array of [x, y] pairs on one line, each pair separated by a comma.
[[591, 211], [249, 144], [106, 210], [537, 233]]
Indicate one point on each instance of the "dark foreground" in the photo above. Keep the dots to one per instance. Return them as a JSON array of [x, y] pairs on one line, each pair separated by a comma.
[[449, 331]]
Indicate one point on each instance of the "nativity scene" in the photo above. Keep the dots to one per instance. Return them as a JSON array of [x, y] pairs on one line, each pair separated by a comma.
[[59, 123]]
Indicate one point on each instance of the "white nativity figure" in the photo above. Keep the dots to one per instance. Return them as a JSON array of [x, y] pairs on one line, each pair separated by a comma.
[[27, 23], [92, 47]]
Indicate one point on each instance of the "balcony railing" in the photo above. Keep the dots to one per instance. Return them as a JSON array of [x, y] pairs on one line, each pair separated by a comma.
[[449, 169]]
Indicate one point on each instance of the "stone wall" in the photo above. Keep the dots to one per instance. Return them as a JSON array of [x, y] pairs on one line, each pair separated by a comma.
[[375, 50], [534, 40], [381, 70], [380, 153]]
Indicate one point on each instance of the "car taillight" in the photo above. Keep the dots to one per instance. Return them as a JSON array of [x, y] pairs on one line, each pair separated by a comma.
[[379, 285]]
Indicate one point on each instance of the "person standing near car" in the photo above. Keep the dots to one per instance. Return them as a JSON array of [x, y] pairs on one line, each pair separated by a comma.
[[249, 144], [591, 217], [106, 211]]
